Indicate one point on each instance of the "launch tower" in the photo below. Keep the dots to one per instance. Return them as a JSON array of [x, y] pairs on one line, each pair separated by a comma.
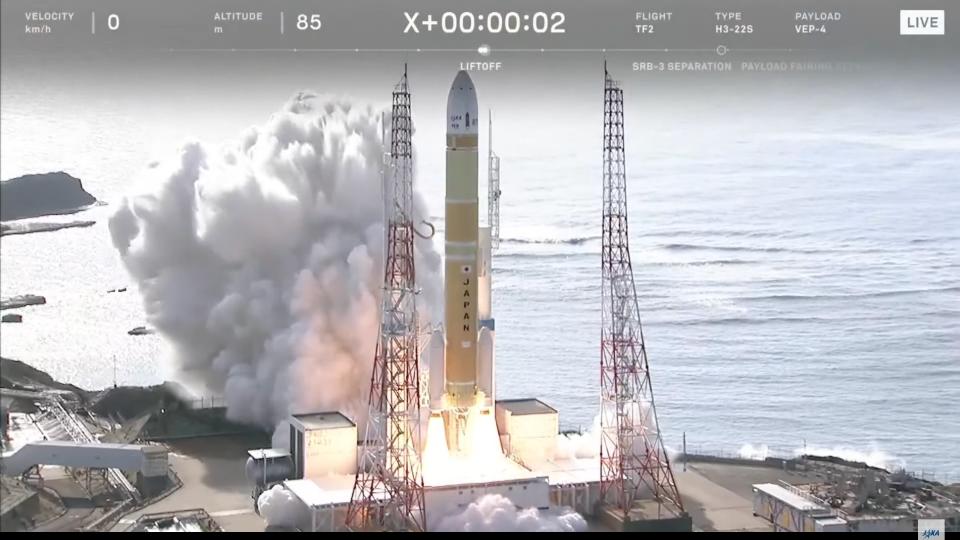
[[388, 491], [633, 461]]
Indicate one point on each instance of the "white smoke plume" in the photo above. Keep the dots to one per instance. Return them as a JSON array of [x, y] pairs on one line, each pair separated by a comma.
[[749, 451], [874, 457], [587, 445], [261, 264], [278, 507], [584, 445], [496, 513], [673, 454]]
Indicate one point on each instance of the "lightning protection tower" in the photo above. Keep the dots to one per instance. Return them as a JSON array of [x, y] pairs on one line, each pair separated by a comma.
[[388, 492], [633, 461]]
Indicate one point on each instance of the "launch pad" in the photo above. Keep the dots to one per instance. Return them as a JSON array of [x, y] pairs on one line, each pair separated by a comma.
[[519, 462], [422, 461], [522, 463]]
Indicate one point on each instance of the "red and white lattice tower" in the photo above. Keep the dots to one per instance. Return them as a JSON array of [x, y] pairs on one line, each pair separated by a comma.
[[388, 492], [633, 461]]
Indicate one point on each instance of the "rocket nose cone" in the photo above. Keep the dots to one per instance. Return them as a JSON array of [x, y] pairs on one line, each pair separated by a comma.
[[462, 106], [462, 80]]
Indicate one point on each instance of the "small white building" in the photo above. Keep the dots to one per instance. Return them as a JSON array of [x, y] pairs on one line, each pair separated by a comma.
[[323, 444], [528, 429], [789, 510]]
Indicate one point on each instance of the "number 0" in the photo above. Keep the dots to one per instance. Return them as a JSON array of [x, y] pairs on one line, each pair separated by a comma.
[[113, 21]]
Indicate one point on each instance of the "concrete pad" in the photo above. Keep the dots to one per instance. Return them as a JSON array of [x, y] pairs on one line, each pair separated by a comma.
[[740, 478], [714, 507], [212, 472], [80, 508]]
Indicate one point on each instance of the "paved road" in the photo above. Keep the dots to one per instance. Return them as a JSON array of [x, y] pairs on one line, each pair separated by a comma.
[[212, 472]]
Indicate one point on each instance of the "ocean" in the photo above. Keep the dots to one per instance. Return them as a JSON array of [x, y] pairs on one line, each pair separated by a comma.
[[799, 282]]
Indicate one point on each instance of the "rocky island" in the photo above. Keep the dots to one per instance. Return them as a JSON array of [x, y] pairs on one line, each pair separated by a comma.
[[35, 195], [24, 300]]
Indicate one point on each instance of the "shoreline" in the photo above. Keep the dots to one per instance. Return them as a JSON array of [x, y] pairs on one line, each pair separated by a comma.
[[22, 301], [18, 375], [30, 228]]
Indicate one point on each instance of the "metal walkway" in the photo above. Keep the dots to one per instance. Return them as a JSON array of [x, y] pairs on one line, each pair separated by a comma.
[[81, 435], [81, 449], [114, 457]]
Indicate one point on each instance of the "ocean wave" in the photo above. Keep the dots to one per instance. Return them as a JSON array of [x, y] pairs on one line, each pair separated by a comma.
[[692, 247], [725, 233], [751, 249], [574, 241], [524, 255], [722, 321], [751, 320], [873, 457], [878, 294], [935, 240], [749, 451], [697, 263], [639, 263]]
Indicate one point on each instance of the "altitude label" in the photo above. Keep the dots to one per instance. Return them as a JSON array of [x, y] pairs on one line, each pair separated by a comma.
[[234, 19]]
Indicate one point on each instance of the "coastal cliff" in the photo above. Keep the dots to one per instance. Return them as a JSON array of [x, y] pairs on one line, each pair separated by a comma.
[[35, 195]]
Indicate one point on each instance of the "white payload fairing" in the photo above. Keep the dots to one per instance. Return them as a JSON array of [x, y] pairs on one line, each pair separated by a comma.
[[466, 363]]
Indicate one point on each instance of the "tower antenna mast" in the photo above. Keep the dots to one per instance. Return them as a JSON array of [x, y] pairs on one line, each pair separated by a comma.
[[493, 187]]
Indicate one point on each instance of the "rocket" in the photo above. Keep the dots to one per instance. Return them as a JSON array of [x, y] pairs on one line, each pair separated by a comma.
[[461, 247], [462, 355]]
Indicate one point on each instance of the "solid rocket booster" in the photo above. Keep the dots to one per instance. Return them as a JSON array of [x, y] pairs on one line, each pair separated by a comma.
[[461, 245]]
